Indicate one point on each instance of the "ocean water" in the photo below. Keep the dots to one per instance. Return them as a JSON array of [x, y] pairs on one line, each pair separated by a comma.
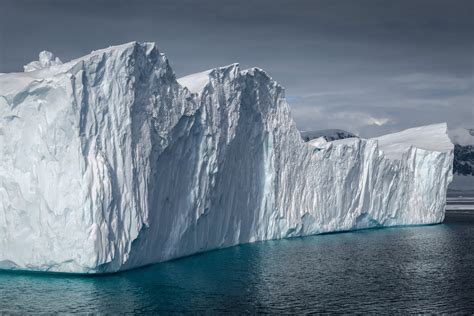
[[410, 269]]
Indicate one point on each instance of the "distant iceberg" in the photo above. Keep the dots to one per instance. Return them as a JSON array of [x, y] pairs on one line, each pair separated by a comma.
[[108, 162]]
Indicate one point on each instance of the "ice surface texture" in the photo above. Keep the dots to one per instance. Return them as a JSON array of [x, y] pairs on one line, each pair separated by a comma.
[[108, 163]]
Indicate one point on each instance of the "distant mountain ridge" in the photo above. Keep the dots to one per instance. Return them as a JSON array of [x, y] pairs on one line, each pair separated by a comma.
[[463, 160], [328, 134], [463, 140]]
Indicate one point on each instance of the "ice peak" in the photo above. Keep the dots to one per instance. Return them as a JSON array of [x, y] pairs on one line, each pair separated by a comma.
[[46, 59], [148, 46], [257, 71], [196, 82]]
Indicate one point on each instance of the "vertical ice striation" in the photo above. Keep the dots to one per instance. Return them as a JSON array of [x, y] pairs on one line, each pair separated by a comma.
[[108, 163]]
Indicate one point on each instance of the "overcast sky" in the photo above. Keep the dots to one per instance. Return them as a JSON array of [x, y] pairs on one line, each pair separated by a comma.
[[365, 66]]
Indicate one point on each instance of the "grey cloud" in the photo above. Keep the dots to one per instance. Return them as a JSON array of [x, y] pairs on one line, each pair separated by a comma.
[[345, 64]]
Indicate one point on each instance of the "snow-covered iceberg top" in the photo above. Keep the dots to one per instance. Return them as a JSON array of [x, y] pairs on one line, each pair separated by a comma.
[[430, 137], [46, 60], [108, 162], [195, 83]]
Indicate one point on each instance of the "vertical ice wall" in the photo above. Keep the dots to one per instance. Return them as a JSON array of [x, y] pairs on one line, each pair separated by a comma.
[[108, 163]]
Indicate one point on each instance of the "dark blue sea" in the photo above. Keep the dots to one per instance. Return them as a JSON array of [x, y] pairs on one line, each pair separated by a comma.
[[425, 269]]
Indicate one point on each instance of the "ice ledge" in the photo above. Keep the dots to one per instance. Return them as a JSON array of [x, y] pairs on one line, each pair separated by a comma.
[[430, 137]]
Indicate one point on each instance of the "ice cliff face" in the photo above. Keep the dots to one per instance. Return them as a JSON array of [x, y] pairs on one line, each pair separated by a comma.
[[108, 163]]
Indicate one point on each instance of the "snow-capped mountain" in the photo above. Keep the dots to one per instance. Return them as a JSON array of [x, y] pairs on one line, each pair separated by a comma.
[[463, 164], [320, 137], [108, 162], [463, 160], [463, 140], [328, 134]]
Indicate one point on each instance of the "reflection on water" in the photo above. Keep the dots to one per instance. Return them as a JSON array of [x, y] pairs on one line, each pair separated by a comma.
[[413, 269]]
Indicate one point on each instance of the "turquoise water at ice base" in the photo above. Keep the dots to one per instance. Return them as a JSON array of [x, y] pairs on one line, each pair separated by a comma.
[[410, 269]]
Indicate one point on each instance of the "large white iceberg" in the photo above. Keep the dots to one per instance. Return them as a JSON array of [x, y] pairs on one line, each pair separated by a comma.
[[108, 162]]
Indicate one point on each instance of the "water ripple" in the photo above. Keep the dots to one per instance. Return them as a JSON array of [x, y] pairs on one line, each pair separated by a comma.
[[416, 270]]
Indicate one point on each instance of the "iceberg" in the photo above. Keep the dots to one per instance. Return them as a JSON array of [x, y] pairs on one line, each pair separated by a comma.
[[108, 162]]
